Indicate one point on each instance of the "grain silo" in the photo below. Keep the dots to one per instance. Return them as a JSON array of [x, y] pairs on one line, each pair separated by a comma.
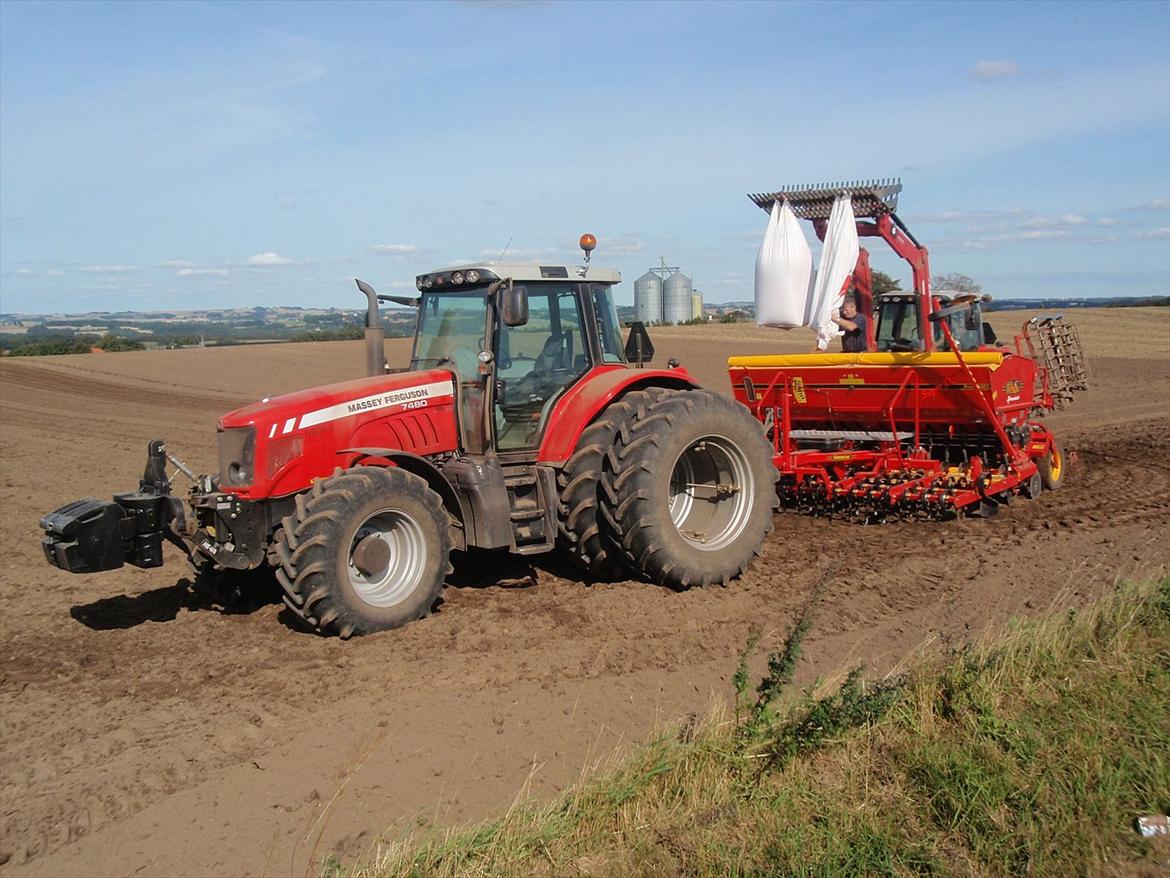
[[696, 305], [648, 298], [676, 298]]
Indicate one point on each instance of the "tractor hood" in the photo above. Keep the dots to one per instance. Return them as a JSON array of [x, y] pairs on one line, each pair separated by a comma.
[[296, 412], [279, 445]]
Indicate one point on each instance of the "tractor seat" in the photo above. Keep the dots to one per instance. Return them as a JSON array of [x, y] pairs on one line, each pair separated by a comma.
[[526, 396], [557, 353]]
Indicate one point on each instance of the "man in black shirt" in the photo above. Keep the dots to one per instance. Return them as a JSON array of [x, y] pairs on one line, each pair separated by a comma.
[[853, 323]]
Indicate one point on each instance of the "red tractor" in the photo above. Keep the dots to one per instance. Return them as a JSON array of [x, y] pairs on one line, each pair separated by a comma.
[[935, 417], [518, 425]]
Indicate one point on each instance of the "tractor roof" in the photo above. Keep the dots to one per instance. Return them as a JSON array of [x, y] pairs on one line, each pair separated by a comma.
[[527, 272]]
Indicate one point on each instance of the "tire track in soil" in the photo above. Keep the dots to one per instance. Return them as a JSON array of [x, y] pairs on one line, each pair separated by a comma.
[[39, 381]]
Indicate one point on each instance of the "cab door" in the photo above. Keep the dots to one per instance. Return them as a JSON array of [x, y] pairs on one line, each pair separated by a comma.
[[536, 362]]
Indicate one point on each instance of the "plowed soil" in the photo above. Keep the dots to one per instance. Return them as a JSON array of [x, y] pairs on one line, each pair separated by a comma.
[[143, 733]]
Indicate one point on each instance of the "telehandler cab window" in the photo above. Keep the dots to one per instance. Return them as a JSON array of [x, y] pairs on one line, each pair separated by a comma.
[[897, 328], [966, 328]]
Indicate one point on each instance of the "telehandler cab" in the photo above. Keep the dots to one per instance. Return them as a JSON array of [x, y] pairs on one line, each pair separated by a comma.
[[518, 425]]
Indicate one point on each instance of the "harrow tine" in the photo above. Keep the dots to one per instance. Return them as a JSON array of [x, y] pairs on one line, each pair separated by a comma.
[[871, 198]]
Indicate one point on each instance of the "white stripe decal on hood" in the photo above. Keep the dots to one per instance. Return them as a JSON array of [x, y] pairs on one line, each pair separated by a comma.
[[434, 390]]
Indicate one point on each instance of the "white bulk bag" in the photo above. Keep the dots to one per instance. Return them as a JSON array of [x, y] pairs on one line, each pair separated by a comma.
[[838, 259], [783, 269]]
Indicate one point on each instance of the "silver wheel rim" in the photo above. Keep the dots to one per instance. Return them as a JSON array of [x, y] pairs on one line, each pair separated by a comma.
[[711, 492], [401, 575]]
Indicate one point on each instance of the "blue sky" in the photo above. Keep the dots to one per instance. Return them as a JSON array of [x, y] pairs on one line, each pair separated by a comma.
[[186, 155]]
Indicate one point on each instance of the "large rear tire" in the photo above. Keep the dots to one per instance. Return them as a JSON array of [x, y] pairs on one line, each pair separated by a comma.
[[366, 550], [580, 534], [689, 489]]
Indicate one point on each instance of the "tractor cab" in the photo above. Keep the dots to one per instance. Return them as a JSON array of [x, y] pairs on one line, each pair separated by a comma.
[[898, 323], [517, 336]]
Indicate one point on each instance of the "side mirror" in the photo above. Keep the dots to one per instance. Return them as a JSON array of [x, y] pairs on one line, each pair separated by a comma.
[[514, 305], [639, 348]]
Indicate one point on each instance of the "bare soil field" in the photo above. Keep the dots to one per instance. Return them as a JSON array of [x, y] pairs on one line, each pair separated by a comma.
[[141, 733]]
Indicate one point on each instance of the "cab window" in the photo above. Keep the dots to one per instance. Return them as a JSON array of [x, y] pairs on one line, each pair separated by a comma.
[[608, 328], [897, 327], [536, 362], [966, 329]]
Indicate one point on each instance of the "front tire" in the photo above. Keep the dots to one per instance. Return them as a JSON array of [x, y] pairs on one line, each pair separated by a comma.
[[366, 550], [689, 489]]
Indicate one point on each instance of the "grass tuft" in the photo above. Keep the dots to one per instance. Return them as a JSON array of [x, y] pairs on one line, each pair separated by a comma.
[[1029, 753]]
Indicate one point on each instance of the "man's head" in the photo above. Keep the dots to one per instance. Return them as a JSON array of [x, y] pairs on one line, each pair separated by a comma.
[[849, 308]]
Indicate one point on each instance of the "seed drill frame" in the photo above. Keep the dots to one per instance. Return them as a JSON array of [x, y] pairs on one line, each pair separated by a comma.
[[925, 430]]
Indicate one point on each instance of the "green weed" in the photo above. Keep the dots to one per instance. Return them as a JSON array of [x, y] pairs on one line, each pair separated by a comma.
[[1029, 753]]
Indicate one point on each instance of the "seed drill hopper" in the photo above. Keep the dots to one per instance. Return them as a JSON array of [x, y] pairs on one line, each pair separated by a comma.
[[933, 418]]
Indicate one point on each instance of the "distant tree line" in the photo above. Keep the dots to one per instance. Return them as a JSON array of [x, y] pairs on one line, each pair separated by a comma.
[[1159, 301], [346, 333], [68, 344], [41, 341]]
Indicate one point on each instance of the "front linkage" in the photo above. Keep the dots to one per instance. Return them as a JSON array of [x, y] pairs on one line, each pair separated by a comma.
[[91, 535]]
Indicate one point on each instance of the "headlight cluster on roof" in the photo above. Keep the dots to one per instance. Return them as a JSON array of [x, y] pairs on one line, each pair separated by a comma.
[[452, 279]]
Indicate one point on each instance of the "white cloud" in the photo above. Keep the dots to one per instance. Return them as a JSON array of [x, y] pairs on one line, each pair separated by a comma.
[[394, 249], [176, 263], [1155, 234], [201, 272], [969, 216], [269, 258], [26, 272], [1152, 204], [620, 245], [990, 230], [53, 272], [110, 269], [1044, 222], [519, 254], [1036, 235], [985, 71]]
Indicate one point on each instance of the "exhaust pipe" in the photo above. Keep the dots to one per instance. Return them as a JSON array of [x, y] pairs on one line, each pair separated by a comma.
[[375, 334]]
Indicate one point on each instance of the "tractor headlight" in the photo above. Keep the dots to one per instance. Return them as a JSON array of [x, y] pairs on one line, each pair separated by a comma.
[[282, 451], [237, 453]]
